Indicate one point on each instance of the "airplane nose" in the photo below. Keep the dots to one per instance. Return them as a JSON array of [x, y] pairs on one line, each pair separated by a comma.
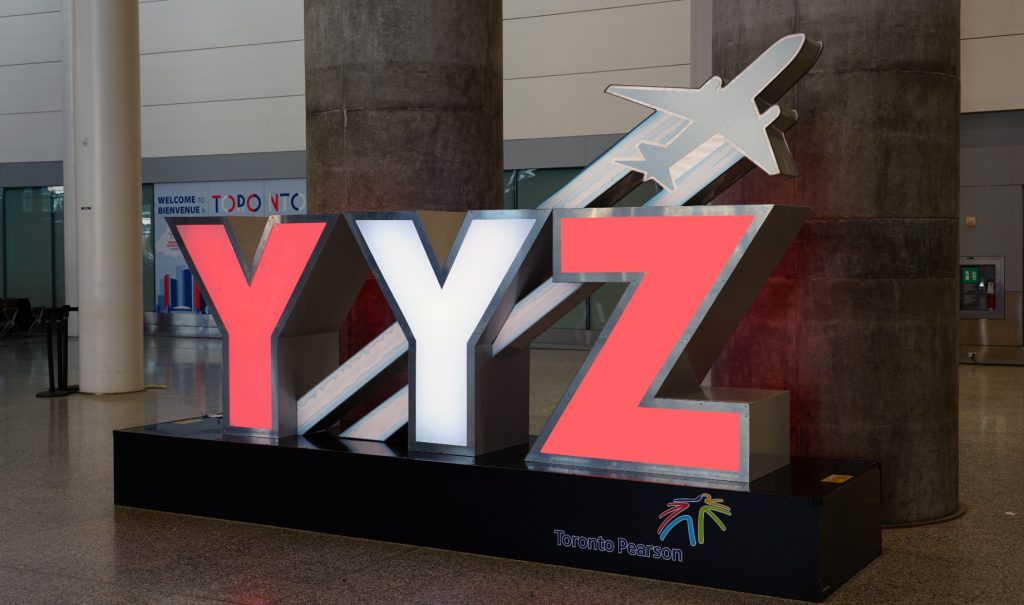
[[786, 49]]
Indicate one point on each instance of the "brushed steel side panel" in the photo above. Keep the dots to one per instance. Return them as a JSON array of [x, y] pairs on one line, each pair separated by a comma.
[[1007, 332]]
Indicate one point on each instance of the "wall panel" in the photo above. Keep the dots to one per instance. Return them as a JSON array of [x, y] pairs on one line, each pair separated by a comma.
[[222, 77], [239, 72], [259, 125], [30, 39], [174, 25], [30, 85], [576, 105], [26, 7], [560, 55], [990, 74], [598, 40], [517, 9], [984, 18], [31, 88], [31, 137]]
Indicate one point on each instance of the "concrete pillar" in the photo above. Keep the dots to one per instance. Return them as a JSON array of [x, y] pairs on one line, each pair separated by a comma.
[[403, 104], [859, 322], [108, 172], [70, 208], [403, 112]]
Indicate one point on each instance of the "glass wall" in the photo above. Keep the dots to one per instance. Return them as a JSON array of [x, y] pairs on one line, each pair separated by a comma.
[[528, 189], [32, 244], [33, 237], [510, 189], [533, 187]]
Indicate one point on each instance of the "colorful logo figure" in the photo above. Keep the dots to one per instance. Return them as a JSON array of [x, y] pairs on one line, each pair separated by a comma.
[[674, 515]]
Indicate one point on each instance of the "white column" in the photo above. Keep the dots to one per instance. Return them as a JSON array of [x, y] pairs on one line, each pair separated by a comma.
[[70, 208], [108, 177]]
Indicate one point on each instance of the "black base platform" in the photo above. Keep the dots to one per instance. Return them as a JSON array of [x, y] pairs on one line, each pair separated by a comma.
[[789, 534]]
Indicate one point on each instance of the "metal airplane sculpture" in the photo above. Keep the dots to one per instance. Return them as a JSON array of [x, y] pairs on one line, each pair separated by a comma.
[[729, 111]]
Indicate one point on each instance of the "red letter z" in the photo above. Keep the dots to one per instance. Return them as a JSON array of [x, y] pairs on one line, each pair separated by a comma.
[[623, 410]]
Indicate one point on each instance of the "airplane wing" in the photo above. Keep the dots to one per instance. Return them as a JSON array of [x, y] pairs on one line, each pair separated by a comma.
[[749, 134], [681, 102]]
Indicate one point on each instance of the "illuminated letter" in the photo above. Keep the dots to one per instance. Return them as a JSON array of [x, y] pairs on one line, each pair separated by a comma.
[[450, 317], [637, 403], [269, 357]]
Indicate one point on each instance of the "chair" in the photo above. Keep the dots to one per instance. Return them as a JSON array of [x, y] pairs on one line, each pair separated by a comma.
[[37, 318], [8, 315]]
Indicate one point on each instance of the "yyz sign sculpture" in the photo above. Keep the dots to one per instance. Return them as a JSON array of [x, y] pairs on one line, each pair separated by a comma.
[[471, 291]]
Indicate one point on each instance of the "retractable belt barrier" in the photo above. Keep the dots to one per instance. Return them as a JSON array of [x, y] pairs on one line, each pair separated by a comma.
[[56, 320]]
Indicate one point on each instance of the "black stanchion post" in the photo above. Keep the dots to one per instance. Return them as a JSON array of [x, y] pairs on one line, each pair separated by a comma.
[[67, 309], [47, 319], [56, 319], [58, 328]]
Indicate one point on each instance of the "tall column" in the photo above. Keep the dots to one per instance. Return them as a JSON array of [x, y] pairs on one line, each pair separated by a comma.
[[859, 322], [108, 171], [403, 112], [70, 208]]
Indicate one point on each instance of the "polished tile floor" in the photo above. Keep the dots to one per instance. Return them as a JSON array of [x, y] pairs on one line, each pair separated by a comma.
[[63, 541]]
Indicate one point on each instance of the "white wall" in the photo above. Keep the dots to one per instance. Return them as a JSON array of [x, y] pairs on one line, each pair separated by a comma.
[[30, 93], [221, 76], [560, 55], [218, 77], [226, 76], [991, 55]]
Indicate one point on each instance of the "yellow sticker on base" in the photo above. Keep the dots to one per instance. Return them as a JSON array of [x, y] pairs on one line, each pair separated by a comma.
[[837, 479], [189, 421]]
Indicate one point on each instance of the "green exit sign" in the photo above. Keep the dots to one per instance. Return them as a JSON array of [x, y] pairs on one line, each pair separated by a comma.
[[969, 274]]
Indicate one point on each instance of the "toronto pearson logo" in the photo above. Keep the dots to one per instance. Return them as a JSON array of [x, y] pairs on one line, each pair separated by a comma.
[[679, 511]]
